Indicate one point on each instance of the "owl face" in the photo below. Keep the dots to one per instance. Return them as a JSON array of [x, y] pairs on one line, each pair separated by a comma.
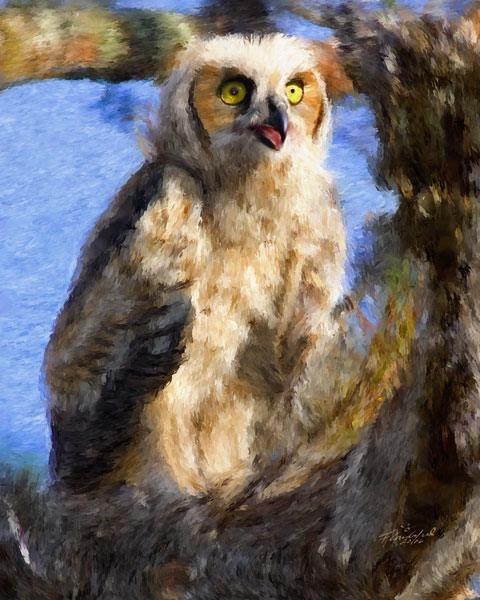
[[263, 96], [237, 100]]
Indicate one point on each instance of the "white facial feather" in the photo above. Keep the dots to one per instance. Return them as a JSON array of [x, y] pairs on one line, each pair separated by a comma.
[[257, 58]]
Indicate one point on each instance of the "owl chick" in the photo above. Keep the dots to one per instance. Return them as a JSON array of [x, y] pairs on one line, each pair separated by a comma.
[[203, 296]]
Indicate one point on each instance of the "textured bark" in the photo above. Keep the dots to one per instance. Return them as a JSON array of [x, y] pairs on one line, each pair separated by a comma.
[[73, 42], [92, 42]]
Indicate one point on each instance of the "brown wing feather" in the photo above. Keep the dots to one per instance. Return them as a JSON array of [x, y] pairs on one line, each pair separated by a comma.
[[116, 342]]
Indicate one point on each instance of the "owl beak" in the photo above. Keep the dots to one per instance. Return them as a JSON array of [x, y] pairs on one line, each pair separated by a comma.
[[273, 132]]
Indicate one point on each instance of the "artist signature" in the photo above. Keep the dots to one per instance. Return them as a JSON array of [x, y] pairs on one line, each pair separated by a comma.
[[406, 535]]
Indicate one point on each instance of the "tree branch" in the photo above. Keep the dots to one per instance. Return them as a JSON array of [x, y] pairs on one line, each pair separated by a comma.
[[71, 42]]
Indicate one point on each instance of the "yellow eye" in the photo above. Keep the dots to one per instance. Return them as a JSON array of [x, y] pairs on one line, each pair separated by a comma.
[[233, 92], [294, 92]]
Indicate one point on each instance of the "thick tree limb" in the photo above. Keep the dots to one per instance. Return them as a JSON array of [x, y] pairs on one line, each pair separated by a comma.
[[72, 42]]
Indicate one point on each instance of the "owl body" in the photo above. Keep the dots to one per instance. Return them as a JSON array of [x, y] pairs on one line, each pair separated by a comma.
[[212, 303]]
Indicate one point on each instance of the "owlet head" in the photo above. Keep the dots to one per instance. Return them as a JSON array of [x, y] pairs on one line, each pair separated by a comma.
[[254, 98]]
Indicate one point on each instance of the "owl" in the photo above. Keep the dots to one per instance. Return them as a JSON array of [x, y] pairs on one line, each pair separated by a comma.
[[202, 301]]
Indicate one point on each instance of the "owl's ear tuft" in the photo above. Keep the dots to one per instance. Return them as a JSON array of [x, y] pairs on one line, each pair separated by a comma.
[[330, 67]]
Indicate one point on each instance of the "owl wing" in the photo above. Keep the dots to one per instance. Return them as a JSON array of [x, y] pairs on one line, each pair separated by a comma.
[[116, 342]]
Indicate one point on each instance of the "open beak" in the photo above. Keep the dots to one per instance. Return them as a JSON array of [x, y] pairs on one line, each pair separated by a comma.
[[273, 132]]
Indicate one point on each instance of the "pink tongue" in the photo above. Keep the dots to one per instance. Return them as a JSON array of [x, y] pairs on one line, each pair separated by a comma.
[[270, 133]]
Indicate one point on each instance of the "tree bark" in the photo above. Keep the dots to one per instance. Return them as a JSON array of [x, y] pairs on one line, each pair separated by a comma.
[[72, 43], [93, 42]]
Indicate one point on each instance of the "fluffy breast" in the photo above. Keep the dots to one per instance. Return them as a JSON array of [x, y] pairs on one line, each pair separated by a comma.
[[245, 258]]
